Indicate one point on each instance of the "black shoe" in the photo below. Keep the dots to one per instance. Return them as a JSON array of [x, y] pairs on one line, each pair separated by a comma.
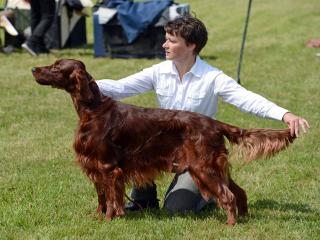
[[41, 48], [140, 205], [8, 49], [30, 49]]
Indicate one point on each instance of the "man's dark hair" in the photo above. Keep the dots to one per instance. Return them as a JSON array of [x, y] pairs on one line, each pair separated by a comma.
[[191, 29]]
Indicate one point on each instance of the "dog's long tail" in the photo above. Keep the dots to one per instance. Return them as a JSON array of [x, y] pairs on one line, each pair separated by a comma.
[[257, 143]]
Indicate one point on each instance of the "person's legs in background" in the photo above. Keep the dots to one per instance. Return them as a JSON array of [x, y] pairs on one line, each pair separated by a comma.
[[35, 14], [144, 197], [183, 196], [42, 16]]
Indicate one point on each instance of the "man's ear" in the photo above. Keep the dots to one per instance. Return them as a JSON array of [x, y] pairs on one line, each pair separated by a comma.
[[193, 46], [82, 85]]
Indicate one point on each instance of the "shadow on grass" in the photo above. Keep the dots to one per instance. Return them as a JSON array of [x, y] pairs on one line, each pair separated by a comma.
[[273, 205], [283, 211], [164, 214], [213, 213], [259, 211]]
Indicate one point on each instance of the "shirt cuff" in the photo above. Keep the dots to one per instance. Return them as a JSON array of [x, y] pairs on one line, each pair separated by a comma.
[[277, 113]]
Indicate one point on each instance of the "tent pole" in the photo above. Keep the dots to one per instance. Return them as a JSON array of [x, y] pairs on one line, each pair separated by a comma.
[[243, 41]]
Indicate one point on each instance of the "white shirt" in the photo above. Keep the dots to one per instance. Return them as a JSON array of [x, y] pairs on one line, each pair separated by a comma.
[[197, 91]]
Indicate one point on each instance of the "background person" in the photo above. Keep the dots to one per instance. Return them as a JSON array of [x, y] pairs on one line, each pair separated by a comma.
[[42, 16], [185, 82]]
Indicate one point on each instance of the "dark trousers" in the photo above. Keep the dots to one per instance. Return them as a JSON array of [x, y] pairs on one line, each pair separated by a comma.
[[42, 16], [182, 195]]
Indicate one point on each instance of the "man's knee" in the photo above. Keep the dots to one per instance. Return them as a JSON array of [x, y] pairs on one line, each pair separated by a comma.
[[182, 200]]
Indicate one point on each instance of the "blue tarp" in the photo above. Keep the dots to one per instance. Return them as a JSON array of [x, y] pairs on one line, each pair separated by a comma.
[[135, 17]]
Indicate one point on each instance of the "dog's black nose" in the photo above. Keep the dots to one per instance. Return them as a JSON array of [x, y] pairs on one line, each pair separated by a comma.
[[33, 69]]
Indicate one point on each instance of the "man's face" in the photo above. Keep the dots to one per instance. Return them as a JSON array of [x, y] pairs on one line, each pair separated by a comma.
[[176, 48]]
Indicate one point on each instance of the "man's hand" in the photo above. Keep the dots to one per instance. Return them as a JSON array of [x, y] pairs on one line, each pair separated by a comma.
[[294, 123]]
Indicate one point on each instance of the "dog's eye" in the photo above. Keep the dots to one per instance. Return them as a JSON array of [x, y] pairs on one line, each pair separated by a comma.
[[54, 68]]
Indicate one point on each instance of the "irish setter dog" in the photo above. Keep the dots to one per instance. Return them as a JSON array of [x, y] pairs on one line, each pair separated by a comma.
[[117, 143]]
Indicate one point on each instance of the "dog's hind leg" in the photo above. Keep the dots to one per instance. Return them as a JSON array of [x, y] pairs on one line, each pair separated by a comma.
[[211, 185], [241, 198]]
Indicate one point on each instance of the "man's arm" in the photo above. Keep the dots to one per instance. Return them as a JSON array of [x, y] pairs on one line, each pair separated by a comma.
[[247, 101], [132, 85]]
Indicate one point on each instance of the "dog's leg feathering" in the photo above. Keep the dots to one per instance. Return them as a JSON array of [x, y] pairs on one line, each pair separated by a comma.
[[210, 185]]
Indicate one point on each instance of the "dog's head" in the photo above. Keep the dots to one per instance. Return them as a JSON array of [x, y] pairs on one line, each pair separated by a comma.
[[70, 75]]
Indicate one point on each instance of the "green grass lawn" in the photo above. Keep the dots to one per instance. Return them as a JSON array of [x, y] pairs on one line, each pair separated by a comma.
[[44, 195]]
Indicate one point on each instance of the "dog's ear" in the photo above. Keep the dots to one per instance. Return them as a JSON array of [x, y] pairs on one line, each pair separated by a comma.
[[82, 80]]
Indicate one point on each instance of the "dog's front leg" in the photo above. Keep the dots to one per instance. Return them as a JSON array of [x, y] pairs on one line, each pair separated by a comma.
[[101, 198], [110, 196], [119, 192], [114, 189]]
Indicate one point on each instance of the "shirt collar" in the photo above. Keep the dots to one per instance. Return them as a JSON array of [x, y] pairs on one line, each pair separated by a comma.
[[196, 69]]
